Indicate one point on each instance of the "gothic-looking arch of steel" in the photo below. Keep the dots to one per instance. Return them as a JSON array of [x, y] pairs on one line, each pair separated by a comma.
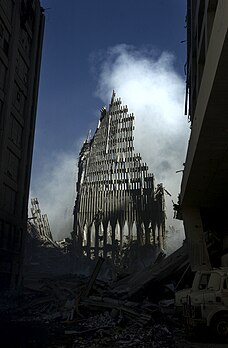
[[114, 188]]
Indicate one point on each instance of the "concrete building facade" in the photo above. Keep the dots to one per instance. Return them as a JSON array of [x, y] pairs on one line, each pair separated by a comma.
[[204, 188], [21, 36]]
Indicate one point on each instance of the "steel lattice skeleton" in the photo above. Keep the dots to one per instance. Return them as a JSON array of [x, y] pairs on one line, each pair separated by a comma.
[[116, 200], [40, 221]]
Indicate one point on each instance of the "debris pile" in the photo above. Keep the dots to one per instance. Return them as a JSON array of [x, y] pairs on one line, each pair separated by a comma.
[[44, 256], [157, 336], [60, 308], [80, 311]]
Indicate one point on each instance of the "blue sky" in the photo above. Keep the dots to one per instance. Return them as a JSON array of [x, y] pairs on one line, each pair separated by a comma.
[[79, 41]]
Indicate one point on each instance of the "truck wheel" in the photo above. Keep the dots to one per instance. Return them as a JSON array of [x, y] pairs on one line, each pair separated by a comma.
[[220, 327]]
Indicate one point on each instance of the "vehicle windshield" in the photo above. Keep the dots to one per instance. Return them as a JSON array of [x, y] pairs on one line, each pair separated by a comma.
[[225, 283], [204, 281], [214, 282]]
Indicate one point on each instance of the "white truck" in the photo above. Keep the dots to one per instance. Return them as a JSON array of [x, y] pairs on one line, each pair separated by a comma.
[[206, 302]]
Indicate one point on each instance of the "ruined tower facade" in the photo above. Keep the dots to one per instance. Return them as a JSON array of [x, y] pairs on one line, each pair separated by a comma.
[[40, 221], [116, 200]]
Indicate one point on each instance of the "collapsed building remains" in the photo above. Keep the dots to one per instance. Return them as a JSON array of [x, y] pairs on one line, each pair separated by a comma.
[[43, 255], [40, 221], [116, 201]]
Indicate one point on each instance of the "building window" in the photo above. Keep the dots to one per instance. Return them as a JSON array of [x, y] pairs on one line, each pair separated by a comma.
[[1, 233], [7, 6], [26, 41], [1, 105], [22, 69], [19, 99], [16, 132], [12, 167], [1, 30], [3, 70], [212, 5], [4, 38], [6, 47]]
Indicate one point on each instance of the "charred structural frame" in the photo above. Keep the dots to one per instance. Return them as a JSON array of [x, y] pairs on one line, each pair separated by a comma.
[[40, 221], [116, 199]]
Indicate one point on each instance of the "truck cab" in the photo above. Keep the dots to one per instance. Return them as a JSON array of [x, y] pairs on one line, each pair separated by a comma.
[[206, 302], [199, 284]]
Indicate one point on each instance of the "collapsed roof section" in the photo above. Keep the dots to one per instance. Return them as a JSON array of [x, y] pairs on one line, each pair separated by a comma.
[[116, 200]]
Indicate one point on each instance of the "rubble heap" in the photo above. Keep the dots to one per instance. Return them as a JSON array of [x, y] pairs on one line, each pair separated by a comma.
[[80, 311]]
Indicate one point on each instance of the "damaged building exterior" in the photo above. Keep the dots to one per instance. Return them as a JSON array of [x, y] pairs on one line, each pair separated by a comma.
[[21, 36], [116, 199], [40, 220], [204, 188]]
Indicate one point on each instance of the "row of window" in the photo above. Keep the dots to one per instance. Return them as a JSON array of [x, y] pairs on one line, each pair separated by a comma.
[[16, 131], [19, 99], [117, 150], [3, 70], [7, 7], [119, 185], [113, 140], [113, 158], [116, 170], [114, 130], [22, 69], [118, 109], [12, 165], [21, 66], [117, 119], [25, 41], [200, 27], [4, 38]]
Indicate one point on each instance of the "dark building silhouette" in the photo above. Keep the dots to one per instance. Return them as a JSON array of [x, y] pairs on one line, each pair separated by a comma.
[[116, 198], [21, 36], [204, 188]]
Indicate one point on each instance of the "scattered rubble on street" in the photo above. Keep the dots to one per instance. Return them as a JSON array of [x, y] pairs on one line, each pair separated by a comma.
[[60, 311], [99, 307], [75, 310]]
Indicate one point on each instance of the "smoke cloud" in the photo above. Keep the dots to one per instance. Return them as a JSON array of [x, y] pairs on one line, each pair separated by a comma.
[[55, 190], [148, 83]]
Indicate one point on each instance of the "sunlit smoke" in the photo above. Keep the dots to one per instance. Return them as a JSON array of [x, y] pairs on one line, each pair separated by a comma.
[[55, 190], [154, 92]]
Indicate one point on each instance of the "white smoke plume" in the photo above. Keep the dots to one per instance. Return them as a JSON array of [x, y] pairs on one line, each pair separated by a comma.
[[55, 190], [148, 83], [154, 92]]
